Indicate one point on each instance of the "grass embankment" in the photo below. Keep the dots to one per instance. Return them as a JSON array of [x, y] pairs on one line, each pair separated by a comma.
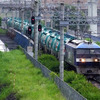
[[2, 31], [19, 76], [50, 62], [77, 81]]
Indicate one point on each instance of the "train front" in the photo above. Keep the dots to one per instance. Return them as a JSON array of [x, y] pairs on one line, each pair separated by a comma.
[[88, 58]]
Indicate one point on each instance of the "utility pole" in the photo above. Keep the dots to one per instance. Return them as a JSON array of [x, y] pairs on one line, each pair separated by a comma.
[[22, 20], [16, 12], [45, 2], [12, 14], [62, 45], [36, 29], [31, 12], [12, 18], [78, 26], [19, 10], [6, 21], [68, 16], [22, 24]]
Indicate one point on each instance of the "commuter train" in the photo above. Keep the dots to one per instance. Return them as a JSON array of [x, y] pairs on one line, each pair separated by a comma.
[[83, 55]]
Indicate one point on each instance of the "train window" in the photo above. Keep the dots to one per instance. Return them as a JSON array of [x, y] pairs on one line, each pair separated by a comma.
[[92, 51], [88, 51], [83, 51], [95, 51]]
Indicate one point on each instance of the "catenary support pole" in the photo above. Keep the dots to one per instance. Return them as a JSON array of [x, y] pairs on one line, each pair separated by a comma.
[[13, 18], [78, 26], [22, 20], [12, 14], [62, 45], [36, 30], [45, 2], [6, 20], [16, 12], [22, 11]]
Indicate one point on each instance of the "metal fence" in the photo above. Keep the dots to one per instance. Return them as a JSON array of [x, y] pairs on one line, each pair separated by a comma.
[[66, 90]]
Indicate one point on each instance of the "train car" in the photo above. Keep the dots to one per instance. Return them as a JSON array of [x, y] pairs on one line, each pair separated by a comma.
[[9, 22], [83, 55], [50, 40], [43, 37], [16, 25]]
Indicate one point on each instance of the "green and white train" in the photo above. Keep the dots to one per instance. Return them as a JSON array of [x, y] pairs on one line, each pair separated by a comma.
[[85, 56]]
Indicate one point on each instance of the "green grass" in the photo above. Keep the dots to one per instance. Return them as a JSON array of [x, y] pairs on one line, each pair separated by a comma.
[[23, 79], [50, 62], [80, 84], [77, 81], [2, 31]]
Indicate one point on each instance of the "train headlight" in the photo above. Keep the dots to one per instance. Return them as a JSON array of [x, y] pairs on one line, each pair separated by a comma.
[[96, 60], [83, 60]]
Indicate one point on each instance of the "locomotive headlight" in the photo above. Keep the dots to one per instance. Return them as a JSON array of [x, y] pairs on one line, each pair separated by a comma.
[[96, 60], [83, 60]]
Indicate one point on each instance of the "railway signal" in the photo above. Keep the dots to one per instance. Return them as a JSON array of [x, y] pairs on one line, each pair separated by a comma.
[[39, 28], [33, 19], [29, 30]]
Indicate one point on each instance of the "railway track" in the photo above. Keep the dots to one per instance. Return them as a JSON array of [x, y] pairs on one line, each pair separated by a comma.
[[95, 81]]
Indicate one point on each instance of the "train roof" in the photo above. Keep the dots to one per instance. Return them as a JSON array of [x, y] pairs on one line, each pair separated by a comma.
[[88, 46], [81, 44], [74, 43]]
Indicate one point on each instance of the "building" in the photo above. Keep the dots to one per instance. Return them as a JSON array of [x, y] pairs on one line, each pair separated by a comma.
[[93, 10]]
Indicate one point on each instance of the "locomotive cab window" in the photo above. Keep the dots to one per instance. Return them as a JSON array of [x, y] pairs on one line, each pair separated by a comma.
[[93, 51], [83, 51]]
